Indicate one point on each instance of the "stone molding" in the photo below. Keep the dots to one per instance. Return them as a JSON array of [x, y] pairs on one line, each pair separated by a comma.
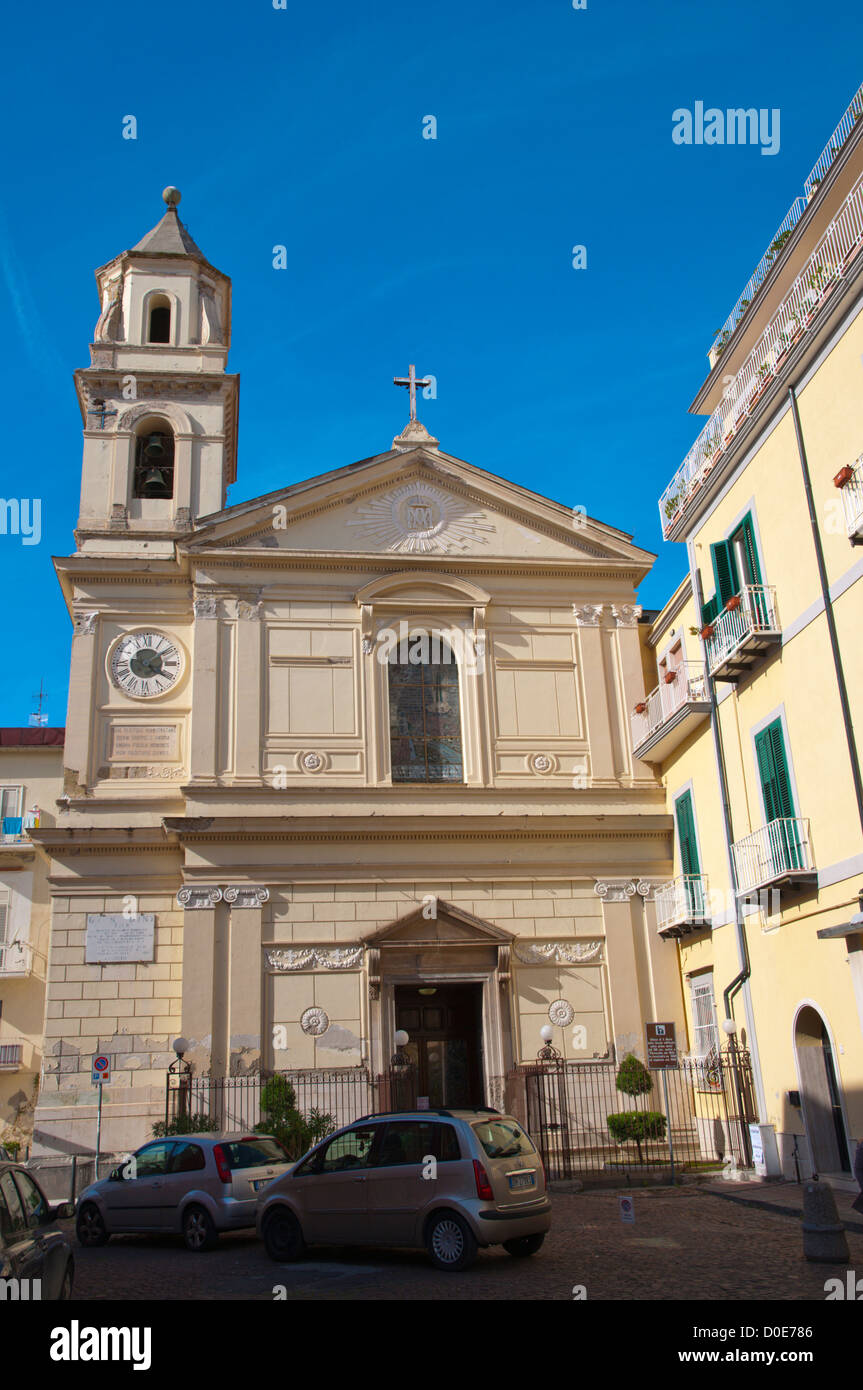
[[615, 890], [315, 957], [194, 898], [558, 952], [588, 614], [626, 614], [206, 606], [246, 896]]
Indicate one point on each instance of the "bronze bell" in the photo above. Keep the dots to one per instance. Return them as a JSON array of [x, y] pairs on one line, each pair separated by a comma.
[[153, 483]]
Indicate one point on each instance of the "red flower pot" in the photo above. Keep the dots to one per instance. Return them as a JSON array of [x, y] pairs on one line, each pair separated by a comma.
[[641, 708], [732, 603], [707, 631], [670, 677], [843, 476]]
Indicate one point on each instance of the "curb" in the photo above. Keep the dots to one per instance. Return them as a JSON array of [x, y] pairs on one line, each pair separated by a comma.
[[850, 1225]]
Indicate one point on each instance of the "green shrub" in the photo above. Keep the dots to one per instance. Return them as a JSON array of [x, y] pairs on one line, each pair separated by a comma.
[[185, 1124], [639, 1125], [12, 1147], [294, 1131], [633, 1078]]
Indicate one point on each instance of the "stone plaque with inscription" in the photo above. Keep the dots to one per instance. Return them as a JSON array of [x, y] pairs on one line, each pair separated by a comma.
[[141, 742], [111, 937]]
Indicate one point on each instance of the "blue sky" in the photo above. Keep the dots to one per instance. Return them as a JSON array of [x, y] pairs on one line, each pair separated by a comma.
[[303, 126]]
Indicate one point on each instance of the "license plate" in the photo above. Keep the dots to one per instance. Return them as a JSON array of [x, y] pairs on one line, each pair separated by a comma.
[[519, 1180], [258, 1183]]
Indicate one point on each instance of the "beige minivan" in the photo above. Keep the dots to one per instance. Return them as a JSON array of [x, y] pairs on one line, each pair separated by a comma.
[[449, 1181]]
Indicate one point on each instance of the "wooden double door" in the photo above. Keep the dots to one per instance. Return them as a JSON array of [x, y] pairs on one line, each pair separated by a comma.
[[444, 1027]]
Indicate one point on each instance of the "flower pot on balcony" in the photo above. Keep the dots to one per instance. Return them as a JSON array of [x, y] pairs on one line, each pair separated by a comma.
[[733, 602], [707, 631], [843, 476], [641, 708], [670, 677]]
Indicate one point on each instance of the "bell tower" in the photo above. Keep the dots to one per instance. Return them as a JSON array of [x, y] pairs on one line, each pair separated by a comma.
[[158, 405]]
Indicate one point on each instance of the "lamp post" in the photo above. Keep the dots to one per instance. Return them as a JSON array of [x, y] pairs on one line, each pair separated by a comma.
[[179, 1076], [547, 1053], [729, 1027]]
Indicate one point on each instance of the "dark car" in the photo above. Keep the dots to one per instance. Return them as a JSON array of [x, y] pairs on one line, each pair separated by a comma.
[[32, 1245]]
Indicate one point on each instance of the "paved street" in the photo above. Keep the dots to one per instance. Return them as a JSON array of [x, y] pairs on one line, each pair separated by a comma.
[[687, 1243]]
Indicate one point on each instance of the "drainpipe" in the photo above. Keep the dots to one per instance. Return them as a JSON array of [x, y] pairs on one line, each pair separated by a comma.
[[741, 979], [828, 609]]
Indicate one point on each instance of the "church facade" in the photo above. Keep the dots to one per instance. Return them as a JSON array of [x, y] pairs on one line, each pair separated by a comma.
[[347, 759]]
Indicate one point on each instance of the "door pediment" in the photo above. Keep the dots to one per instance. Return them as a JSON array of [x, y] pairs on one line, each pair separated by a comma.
[[438, 923]]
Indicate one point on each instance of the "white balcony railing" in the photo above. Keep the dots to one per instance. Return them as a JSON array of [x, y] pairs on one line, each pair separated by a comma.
[[852, 114], [778, 849], [10, 1056], [682, 902], [815, 283], [758, 276], [687, 687], [756, 614], [852, 500]]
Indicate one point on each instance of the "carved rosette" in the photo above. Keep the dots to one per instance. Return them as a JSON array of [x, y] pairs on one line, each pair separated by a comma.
[[311, 761], [315, 1021], [542, 764], [315, 958], [561, 1013], [558, 952], [252, 896], [192, 898], [614, 890]]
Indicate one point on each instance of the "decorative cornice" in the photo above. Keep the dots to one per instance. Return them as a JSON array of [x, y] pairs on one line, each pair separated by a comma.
[[558, 952], [315, 958]]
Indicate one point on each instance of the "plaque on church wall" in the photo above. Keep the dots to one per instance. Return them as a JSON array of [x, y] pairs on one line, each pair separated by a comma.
[[141, 742], [111, 937]]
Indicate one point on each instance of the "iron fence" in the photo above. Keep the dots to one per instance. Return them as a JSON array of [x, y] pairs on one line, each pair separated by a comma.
[[565, 1107], [231, 1103]]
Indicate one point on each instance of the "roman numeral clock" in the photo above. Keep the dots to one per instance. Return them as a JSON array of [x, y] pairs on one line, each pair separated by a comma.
[[145, 664]]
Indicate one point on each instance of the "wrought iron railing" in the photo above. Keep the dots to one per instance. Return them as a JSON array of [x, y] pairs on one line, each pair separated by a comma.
[[755, 612], [815, 283], [682, 899], [688, 685], [781, 847], [10, 1054]]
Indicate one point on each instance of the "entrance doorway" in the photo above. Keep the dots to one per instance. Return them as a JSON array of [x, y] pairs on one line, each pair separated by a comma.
[[822, 1099], [444, 1027]]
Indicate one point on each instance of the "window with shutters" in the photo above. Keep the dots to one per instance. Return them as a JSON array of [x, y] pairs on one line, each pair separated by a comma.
[[705, 1028], [773, 772], [685, 817], [735, 564], [11, 801]]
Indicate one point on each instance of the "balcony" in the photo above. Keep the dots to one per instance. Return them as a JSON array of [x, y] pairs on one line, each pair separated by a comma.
[[778, 853], [15, 960], [681, 905], [852, 503], [825, 269], [10, 1056], [670, 712], [743, 634]]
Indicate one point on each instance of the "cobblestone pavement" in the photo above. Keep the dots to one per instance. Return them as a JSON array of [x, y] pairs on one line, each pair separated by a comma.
[[683, 1244]]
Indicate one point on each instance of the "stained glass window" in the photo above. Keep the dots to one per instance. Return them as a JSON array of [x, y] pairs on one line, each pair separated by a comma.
[[425, 718]]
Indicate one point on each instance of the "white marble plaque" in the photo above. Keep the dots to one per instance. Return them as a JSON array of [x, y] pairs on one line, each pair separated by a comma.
[[111, 937], [143, 742]]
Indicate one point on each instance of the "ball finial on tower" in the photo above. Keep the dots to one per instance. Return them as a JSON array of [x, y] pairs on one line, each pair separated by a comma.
[[171, 196]]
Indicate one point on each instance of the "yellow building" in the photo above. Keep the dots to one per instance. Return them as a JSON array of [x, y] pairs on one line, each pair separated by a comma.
[[756, 716], [31, 779]]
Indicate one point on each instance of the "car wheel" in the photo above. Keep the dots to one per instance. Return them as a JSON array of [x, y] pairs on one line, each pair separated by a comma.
[[523, 1246], [283, 1237], [199, 1233], [90, 1227], [65, 1293], [450, 1242]]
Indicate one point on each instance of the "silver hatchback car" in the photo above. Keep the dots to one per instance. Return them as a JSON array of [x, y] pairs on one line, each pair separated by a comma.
[[450, 1181], [194, 1184]]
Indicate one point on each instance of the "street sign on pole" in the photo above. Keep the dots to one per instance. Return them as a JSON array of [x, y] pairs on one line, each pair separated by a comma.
[[101, 1069], [661, 1047]]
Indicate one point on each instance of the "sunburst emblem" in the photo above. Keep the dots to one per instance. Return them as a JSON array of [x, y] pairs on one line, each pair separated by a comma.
[[421, 519]]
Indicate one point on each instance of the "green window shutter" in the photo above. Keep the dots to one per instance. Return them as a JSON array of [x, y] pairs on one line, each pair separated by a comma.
[[773, 771], [710, 610], [686, 834], [751, 548], [724, 571]]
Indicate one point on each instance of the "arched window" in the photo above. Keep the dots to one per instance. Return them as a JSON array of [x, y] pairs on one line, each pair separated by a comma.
[[154, 462], [425, 715], [159, 319]]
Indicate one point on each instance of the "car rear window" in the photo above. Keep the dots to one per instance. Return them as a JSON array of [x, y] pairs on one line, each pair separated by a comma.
[[502, 1138], [253, 1153]]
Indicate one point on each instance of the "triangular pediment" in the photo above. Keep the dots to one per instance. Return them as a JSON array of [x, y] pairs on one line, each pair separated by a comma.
[[435, 923], [421, 504]]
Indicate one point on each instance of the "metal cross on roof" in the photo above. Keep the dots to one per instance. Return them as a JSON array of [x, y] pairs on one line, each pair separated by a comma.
[[412, 382], [102, 413]]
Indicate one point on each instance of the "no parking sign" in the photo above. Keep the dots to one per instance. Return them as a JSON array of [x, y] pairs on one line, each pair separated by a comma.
[[101, 1069]]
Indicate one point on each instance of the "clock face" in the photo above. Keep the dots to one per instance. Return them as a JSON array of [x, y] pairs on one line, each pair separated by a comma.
[[144, 664]]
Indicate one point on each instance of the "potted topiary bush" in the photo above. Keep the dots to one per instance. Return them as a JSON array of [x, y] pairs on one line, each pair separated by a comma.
[[638, 1126]]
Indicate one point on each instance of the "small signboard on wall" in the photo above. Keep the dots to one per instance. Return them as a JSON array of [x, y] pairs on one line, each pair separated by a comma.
[[112, 938], [661, 1047]]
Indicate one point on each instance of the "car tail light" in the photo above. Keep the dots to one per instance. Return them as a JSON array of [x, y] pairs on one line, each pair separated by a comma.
[[221, 1164], [483, 1186]]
